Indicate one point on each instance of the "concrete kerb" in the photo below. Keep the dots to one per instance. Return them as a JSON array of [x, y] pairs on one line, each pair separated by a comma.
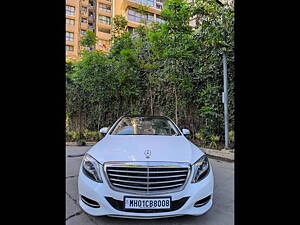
[[75, 143], [227, 155]]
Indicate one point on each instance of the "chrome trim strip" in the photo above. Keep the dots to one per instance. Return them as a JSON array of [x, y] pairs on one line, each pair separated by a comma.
[[147, 164], [131, 187], [140, 182], [146, 188], [144, 217]]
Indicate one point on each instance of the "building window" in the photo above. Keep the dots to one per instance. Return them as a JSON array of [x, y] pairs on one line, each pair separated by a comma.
[[104, 7], [150, 18], [159, 20], [147, 2], [83, 9], [103, 30], [69, 48], [91, 3], [140, 18], [69, 36], [70, 21], [159, 6], [70, 10], [82, 32], [130, 29], [104, 20], [83, 20], [91, 15]]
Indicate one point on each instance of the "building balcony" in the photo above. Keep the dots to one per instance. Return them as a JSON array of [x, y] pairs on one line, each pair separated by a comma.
[[91, 19], [71, 2], [91, 27], [105, 26], [103, 35], [136, 4], [71, 42], [105, 2], [70, 28], [102, 13], [132, 23], [91, 8], [84, 13], [84, 26]]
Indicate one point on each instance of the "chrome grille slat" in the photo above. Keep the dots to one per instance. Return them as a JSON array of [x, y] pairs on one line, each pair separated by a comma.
[[128, 186], [147, 177], [146, 188], [140, 182]]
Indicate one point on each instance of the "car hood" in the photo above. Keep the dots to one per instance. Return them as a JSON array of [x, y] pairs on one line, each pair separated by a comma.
[[133, 147]]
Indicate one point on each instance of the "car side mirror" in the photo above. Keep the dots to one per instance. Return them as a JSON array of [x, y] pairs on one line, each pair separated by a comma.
[[104, 130], [186, 131]]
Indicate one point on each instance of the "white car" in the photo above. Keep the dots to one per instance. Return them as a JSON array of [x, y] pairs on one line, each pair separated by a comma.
[[145, 168]]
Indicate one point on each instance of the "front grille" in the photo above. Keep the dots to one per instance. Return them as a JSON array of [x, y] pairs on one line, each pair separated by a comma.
[[147, 177]]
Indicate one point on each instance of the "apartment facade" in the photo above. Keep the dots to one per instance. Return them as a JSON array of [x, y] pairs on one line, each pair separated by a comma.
[[97, 15]]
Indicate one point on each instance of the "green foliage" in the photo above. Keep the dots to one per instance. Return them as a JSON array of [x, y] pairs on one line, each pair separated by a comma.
[[213, 141], [163, 69], [89, 39], [72, 136], [81, 142], [91, 135], [119, 26]]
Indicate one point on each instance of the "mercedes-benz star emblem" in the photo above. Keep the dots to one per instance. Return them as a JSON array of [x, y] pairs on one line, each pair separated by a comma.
[[147, 154]]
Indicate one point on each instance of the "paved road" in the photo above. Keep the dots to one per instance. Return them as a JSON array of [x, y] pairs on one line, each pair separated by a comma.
[[221, 213]]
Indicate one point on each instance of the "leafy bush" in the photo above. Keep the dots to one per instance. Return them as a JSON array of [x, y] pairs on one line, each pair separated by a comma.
[[214, 139], [72, 136], [81, 142], [92, 136]]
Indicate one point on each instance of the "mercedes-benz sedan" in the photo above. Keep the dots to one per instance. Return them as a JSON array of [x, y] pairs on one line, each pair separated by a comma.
[[145, 168]]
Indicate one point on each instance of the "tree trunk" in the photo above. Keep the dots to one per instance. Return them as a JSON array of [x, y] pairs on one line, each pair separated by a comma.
[[80, 128], [151, 102], [98, 124], [176, 106]]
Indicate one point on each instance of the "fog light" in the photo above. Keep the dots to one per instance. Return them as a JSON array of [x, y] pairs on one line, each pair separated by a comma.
[[202, 202], [90, 202]]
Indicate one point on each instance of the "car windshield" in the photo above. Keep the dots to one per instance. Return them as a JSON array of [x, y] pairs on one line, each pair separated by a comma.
[[145, 126]]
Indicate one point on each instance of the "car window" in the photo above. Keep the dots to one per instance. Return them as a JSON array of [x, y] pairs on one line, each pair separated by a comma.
[[145, 126]]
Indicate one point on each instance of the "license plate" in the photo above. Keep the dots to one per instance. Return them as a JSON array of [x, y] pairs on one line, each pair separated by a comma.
[[147, 203]]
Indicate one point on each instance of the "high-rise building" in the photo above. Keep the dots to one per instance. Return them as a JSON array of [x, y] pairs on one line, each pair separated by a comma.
[[97, 15]]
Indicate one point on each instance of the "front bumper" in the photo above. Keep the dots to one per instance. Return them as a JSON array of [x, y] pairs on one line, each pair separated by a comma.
[[100, 191]]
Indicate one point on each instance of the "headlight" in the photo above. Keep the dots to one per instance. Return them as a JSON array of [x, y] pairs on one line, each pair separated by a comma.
[[91, 168], [201, 169]]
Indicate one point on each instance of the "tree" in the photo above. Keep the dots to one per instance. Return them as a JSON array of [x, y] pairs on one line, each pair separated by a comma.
[[173, 43], [89, 39], [119, 26]]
